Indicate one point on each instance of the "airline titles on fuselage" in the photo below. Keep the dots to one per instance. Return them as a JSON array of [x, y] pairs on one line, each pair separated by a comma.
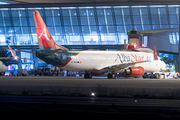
[[122, 58]]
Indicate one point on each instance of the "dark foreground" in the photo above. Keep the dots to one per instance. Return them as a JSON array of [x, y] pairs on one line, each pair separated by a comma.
[[27, 111], [135, 98]]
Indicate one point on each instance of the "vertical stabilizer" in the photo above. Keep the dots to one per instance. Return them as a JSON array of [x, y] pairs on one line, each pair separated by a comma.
[[12, 52], [45, 39], [155, 53]]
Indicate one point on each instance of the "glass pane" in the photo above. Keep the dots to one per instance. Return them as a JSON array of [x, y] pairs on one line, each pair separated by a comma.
[[108, 12], [2, 30], [68, 30], [102, 29], [65, 12], [165, 26], [76, 30], [100, 11], [14, 13], [23, 22], [85, 30], [147, 27], [0, 13], [136, 19], [22, 13], [82, 12], [156, 27], [51, 30], [83, 20], [31, 20], [164, 19], [173, 19], [57, 21], [1, 22], [74, 21], [48, 12], [120, 29], [117, 11], [49, 21], [73, 12], [101, 20], [92, 21], [126, 11], [33, 30], [59, 31], [17, 30], [5, 13], [90, 12], [109, 20], [162, 11], [16, 21], [154, 11], [7, 21], [144, 11], [135, 11], [172, 10], [25, 30], [111, 29], [155, 19], [127, 20], [119, 20], [93, 29], [145, 19], [9, 30], [66, 20], [56, 12]]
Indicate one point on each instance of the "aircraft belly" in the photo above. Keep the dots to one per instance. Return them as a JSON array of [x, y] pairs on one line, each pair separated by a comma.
[[83, 65]]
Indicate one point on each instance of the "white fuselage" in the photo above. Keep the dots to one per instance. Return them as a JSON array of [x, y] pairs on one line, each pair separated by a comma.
[[3, 68], [95, 61]]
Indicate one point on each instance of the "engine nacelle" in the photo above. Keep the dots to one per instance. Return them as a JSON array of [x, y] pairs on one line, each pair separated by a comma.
[[97, 74], [135, 71]]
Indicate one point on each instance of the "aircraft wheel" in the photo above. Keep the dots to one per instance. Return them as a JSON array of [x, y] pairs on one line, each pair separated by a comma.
[[145, 75], [113, 76], [157, 76], [109, 76], [176, 76], [152, 76], [87, 75]]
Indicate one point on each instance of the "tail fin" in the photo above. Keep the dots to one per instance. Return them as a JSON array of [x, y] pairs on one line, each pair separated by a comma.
[[45, 39], [12, 52], [155, 53]]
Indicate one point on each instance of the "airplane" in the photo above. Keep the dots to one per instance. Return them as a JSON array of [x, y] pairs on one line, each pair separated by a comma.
[[3, 68], [94, 63]]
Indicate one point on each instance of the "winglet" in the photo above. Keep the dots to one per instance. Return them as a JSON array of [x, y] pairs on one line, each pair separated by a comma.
[[155, 53], [12, 52]]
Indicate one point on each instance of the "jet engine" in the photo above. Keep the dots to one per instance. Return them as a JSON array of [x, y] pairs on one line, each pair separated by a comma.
[[135, 71]]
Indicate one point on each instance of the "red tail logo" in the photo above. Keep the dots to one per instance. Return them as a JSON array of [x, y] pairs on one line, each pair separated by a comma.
[[44, 34], [155, 53], [45, 39]]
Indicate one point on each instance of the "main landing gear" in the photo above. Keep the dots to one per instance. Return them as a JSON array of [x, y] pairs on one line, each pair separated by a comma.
[[87, 75], [111, 76]]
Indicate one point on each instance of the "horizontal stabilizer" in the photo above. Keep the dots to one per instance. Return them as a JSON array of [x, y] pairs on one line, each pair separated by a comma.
[[50, 52]]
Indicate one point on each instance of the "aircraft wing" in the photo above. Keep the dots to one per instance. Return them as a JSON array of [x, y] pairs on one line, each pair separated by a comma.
[[30, 59], [2, 58], [117, 67]]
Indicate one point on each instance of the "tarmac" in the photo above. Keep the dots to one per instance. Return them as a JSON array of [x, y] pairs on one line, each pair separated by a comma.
[[56, 85]]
